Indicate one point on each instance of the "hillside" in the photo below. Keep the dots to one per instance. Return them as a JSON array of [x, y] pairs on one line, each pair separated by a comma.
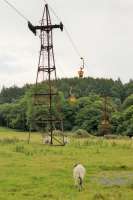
[[17, 108]]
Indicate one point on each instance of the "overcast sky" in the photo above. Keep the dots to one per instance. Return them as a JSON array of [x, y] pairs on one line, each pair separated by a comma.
[[101, 29]]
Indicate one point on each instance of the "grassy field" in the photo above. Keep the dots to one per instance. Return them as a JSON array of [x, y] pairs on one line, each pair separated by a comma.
[[37, 172]]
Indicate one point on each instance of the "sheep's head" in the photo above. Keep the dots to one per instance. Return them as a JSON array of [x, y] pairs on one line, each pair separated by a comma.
[[76, 165]]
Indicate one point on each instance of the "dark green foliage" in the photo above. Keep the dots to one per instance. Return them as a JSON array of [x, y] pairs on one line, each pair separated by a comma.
[[118, 90], [18, 109], [117, 122], [83, 87], [89, 113], [81, 133], [129, 88], [13, 115], [12, 94], [128, 101], [69, 113]]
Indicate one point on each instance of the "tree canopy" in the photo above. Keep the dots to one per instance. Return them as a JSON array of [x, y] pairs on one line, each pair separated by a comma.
[[19, 111]]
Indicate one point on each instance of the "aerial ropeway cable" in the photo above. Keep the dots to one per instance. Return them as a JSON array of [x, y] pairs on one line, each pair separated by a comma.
[[33, 29], [81, 71], [16, 10]]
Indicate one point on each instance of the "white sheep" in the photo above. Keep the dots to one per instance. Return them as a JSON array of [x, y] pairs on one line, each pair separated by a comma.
[[78, 175], [66, 140], [47, 140]]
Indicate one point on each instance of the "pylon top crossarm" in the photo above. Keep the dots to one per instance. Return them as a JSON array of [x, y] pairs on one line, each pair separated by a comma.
[[47, 27], [34, 29]]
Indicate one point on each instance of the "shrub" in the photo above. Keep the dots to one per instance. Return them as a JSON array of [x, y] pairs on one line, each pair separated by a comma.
[[81, 133], [110, 136], [19, 149], [9, 140]]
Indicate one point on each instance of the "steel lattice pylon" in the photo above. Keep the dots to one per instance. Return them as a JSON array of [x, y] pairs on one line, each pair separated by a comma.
[[46, 72], [105, 126]]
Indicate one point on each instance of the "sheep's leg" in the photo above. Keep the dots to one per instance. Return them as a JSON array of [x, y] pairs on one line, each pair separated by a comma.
[[80, 183]]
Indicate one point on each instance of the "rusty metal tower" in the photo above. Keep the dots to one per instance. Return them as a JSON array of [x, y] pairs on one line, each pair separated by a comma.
[[105, 126], [46, 72]]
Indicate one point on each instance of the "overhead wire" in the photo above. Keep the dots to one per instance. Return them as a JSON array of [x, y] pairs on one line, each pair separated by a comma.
[[72, 42], [16, 10], [66, 31], [75, 48], [54, 13]]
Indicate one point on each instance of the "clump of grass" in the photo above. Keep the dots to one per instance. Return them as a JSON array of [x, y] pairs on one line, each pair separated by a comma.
[[114, 144], [9, 141], [47, 196], [127, 146], [22, 149], [123, 167], [77, 144], [98, 196], [102, 143], [114, 167], [81, 133], [97, 150], [86, 143], [19, 149], [131, 186]]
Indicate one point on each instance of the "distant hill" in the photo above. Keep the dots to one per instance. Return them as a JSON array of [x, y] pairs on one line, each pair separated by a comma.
[[80, 88]]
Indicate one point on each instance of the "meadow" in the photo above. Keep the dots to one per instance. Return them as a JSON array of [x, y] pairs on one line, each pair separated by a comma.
[[37, 171]]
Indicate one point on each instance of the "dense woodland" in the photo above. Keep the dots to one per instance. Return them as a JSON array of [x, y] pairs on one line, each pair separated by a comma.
[[19, 109]]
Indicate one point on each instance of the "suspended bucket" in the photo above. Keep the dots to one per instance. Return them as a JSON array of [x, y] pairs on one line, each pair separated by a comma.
[[81, 73], [72, 99]]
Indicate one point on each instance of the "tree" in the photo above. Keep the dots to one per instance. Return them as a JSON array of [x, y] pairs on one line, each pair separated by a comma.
[[118, 90], [128, 102], [89, 113]]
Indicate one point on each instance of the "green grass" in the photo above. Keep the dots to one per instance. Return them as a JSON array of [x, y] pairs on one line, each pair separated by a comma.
[[36, 171]]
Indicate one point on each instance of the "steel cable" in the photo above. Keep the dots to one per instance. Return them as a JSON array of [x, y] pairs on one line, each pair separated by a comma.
[[16, 10]]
